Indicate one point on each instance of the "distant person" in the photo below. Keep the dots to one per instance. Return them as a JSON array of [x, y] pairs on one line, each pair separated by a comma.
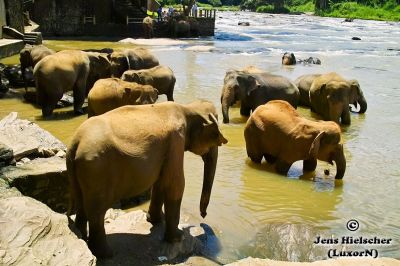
[[159, 13], [171, 11], [194, 10]]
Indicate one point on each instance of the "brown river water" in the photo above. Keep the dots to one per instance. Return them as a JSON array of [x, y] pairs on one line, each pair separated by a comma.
[[248, 199]]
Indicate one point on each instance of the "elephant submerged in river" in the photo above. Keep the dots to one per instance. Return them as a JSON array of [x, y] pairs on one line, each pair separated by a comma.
[[160, 77], [68, 70], [111, 93], [278, 133], [137, 58], [130, 149], [331, 95], [255, 89]]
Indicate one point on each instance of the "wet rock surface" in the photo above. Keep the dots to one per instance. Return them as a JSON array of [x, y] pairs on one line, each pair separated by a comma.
[[26, 138]]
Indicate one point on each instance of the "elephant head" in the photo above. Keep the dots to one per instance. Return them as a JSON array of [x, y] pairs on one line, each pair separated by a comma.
[[326, 147], [357, 96], [288, 59], [99, 68], [148, 94], [203, 138], [230, 93], [122, 61]]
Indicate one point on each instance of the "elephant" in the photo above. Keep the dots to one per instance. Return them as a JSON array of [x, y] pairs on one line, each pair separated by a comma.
[[160, 77], [130, 149], [278, 133], [310, 60], [303, 83], [68, 70], [331, 95], [147, 26], [29, 56], [111, 93], [179, 28], [230, 90], [288, 59], [255, 89], [137, 58]]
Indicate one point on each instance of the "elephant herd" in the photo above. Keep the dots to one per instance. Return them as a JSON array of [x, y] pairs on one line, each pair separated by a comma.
[[129, 144]]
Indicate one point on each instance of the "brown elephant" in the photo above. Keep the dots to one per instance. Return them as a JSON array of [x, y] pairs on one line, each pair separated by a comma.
[[30, 55], [278, 133], [137, 58], [304, 83], [160, 77], [68, 70], [147, 26], [255, 89], [111, 93], [230, 90], [140, 147], [288, 59], [331, 95]]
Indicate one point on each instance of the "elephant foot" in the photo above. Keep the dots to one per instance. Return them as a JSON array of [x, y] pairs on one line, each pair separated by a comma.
[[154, 219], [282, 167], [47, 112], [270, 159], [100, 249], [174, 236]]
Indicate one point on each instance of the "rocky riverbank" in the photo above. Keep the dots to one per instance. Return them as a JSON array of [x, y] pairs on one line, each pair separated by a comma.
[[34, 230]]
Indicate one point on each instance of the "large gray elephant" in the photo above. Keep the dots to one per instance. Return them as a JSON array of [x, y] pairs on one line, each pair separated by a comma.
[[128, 150], [137, 58], [111, 93], [304, 83], [30, 55], [68, 70], [331, 95], [160, 77], [230, 90], [278, 133], [255, 89]]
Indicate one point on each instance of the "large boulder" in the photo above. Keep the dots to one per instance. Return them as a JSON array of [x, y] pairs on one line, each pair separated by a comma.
[[32, 234], [44, 179], [26, 138]]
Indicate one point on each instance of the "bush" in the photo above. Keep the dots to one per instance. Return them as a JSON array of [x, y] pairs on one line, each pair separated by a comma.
[[271, 9]]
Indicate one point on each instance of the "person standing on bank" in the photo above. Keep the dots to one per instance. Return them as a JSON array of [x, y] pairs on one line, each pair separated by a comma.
[[194, 10]]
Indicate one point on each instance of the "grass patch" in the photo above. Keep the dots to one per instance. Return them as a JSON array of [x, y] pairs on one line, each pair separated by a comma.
[[306, 7], [354, 10], [271, 9]]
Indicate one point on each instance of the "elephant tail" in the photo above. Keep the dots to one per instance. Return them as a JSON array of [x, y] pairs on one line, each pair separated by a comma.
[[75, 197]]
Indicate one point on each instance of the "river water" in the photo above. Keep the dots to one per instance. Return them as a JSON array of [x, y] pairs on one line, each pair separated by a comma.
[[248, 200]]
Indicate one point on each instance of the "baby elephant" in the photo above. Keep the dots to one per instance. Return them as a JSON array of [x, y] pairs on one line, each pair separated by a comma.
[[111, 93], [278, 133], [160, 77]]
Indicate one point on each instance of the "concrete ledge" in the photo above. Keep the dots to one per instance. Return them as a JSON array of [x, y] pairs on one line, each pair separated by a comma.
[[9, 47]]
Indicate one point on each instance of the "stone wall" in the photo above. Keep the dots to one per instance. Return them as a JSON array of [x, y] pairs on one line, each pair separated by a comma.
[[14, 14]]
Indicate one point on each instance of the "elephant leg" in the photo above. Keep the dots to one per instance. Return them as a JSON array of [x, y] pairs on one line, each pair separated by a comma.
[[282, 167], [269, 158], [244, 110], [97, 235], [309, 165], [155, 214], [345, 117], [81, 222], [45, 103], [79, 96], [170, 94]]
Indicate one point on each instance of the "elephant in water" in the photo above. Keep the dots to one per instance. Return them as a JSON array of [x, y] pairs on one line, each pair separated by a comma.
[[304, 83], [160, 77], [230, 91], [68, 70], [331, 95], [30, 55], [128, 150], [278, 133], [147, 26], [137, 58], [111, 93], [255, 89], [290, 59]]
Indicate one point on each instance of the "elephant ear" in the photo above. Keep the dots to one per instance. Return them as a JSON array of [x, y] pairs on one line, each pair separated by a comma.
[[293, 58], [212, 130], [248, 83], [313, 152]]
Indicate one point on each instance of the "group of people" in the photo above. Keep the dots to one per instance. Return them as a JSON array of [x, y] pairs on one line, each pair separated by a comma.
[[164, 14]]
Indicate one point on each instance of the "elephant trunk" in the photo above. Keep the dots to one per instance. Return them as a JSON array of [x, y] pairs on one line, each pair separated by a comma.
[[210, 164], [227, 99], [340, 161], [363, 104]]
